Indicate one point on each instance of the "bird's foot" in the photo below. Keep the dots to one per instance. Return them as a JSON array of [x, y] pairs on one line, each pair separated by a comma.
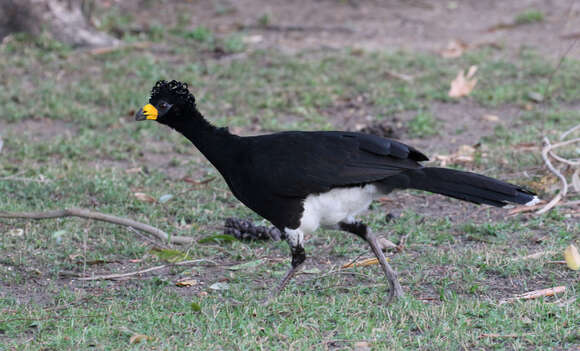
[[276, 291]]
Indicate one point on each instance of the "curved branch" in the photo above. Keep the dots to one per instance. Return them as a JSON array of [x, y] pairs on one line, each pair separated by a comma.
[[564, 190], [82, 213]]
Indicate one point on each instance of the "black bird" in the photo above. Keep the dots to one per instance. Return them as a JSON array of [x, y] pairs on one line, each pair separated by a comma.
[[300, 181]]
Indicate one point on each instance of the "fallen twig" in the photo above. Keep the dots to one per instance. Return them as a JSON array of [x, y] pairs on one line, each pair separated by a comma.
[[144, 237], [109, 49], [363, 263], [561, 159], [557, 262], [78, 212], [535, 294], [299, 28], [142, 271], [533, 256], [569, 131], [495, 336], [522, 209], [564, 190]]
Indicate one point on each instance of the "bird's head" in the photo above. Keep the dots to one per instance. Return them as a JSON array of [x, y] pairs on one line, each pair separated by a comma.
[[168, 102]]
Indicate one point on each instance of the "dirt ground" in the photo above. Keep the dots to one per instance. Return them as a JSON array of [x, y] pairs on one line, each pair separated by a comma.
[[390, 25]]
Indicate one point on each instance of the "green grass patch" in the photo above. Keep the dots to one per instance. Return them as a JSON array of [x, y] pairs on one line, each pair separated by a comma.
[[529, 16], [70, 142]]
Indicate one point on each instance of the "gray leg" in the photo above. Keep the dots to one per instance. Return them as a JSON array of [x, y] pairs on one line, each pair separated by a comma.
[[295, 239], [363, 231]]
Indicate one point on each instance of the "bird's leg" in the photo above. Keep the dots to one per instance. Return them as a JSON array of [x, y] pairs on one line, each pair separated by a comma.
[[298, 257], [363, 231], [295, 239]]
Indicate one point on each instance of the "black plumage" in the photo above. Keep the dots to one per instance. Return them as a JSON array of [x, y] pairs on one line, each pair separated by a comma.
[[275, 174]]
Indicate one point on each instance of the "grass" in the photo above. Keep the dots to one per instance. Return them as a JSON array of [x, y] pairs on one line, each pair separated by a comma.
[[70, 141], [529, 16], [422, 125]]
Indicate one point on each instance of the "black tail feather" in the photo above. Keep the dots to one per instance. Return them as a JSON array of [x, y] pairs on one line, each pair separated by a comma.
[[468, 186]]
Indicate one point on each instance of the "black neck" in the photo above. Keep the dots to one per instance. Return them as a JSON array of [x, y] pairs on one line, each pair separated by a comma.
[[216, 144]]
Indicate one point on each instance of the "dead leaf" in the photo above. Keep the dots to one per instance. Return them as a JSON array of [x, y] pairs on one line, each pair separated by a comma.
[[385, 244], [362, 346], [362, 263], [144, 197], [197, 182], [463, 84], [535, 97], [16, 232], [532, 256], [401, 76], [501, 26], [138, 338], [187, 282], [219, 286], [252, 39], [526, 147], [464, 154], [134, 170], [490, 118], [455, 48], [572, 257]]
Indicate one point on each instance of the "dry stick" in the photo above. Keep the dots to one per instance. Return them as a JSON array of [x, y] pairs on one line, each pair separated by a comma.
[[142, 271], [78, 212], [564, 189], [561, 159], [569, 131], [144, 237], [522, 209]]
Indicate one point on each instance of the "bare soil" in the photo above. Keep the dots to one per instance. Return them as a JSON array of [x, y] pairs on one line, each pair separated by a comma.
[[383, 25]]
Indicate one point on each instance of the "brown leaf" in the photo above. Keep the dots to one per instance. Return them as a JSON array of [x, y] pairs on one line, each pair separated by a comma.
[[464, 154], [463, 84], [197, 182], [490, 118], [187, 282], [144, 197], [572, 257], [362, 346], [501, 26], [526, 147], [138, 338], [385, 244], [455, 48], [362, 263], [16, 232], [134, 170]]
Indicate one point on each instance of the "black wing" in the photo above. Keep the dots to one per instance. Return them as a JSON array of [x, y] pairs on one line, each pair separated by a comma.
[[296, 164]]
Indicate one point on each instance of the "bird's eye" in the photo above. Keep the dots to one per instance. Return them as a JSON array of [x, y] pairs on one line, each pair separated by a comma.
[[164, 105]]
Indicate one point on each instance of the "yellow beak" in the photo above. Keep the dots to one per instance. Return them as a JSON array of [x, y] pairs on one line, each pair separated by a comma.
[[147, 112]]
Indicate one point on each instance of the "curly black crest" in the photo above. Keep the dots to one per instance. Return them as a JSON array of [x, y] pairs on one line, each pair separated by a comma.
[[175, 89]]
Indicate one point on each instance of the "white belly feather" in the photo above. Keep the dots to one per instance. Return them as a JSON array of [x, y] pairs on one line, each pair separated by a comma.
[[337, 205]]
